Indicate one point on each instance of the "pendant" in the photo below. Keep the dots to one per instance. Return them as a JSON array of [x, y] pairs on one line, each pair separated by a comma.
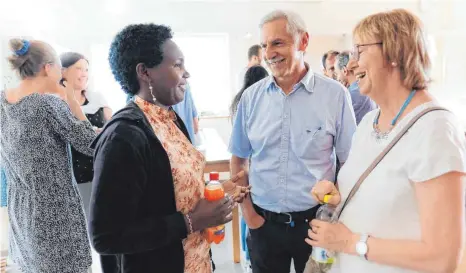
[[379, 137]]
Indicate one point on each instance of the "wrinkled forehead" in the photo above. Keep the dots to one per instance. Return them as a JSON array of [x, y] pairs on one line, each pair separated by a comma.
[[275, 30]]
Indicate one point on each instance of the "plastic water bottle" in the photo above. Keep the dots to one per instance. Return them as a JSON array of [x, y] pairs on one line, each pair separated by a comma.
[[320, 255], [213, 192]]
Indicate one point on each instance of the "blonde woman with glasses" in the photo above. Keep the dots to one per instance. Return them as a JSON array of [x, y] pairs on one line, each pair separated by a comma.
[[408, 214]]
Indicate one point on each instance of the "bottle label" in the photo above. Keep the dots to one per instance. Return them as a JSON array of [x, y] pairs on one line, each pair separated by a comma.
[[219, 232], [320, 255]]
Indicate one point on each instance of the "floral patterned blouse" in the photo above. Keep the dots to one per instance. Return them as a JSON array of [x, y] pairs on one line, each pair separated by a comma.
[[188, 176]]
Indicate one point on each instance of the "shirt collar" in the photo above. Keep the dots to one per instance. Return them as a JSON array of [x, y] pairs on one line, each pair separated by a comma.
[[307, 81], [353, 86]]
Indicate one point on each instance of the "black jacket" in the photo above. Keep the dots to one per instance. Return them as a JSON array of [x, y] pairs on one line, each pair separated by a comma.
[[133, 212]]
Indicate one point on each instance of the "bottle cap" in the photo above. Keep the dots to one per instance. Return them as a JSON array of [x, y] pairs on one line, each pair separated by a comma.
[[327, 198], [214, 176]]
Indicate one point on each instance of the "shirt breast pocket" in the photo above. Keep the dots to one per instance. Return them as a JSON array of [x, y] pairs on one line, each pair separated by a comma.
[[314, 143]]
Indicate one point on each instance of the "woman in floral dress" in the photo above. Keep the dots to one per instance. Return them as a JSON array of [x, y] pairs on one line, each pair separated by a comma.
[[147, 207]]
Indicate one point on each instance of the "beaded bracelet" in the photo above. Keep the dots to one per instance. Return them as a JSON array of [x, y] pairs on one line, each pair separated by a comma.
[[190, 223]]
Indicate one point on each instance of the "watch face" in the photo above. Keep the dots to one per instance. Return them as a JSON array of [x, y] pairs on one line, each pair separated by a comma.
[[361, 248]]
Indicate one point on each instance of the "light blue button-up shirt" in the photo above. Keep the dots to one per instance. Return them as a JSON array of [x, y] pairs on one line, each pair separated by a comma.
[[361, 104], [292, 139]]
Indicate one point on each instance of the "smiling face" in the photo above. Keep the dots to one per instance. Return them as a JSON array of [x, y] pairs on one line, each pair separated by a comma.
[[282, 52], [77, 74], [169, 78], [371, 69]]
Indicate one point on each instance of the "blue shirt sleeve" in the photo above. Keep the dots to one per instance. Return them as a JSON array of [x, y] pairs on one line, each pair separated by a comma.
[[193, 105], [346, 126], [240, 145]]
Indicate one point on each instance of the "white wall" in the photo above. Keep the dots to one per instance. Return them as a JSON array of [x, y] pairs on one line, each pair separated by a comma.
[[8, 77], [78, 25], [221, 124]]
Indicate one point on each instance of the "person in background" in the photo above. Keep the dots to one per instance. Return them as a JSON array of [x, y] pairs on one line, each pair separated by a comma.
[[254, 58], [187, 111], [147, 206], [47, 222], [291, 126], [253, 75], [75, 72], [408, 215], [345, 74], [328, 63]]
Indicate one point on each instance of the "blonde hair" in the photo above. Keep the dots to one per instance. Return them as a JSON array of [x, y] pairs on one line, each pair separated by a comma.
[[403, 43], [35, 55]]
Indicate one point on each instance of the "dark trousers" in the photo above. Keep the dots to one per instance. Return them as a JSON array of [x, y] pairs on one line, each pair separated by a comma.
[[110, 264], [274, 245]]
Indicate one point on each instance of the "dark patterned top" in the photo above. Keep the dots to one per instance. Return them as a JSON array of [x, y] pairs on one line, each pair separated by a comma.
[[48, 227], [83, 164]]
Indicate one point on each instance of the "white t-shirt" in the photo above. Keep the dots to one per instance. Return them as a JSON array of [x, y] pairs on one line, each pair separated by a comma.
[[385, 205], [96, 101]]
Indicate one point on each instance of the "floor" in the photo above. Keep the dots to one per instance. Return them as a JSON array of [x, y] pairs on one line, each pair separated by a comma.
[[222, 255]]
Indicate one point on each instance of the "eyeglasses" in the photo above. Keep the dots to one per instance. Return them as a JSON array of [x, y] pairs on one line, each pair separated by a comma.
[[355, 52]]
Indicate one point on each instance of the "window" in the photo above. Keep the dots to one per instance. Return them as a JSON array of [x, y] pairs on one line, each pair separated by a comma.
[[206, 59], [103, 80]]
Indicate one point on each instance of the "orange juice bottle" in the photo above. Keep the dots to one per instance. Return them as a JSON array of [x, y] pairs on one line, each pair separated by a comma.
[[214, 192]]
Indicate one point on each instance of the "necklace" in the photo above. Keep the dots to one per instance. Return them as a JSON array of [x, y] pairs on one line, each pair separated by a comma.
[[379, 136]]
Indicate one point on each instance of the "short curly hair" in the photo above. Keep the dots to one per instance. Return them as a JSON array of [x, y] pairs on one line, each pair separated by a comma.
[[139, 43]]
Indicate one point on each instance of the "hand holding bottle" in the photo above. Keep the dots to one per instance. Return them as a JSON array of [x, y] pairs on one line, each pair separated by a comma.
[[325, 187], [212, 213]]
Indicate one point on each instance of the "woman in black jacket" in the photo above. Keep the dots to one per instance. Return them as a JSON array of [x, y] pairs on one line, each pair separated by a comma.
[[147, 207]]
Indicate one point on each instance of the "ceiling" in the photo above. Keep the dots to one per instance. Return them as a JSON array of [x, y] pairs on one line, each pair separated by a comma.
[[77, 21]]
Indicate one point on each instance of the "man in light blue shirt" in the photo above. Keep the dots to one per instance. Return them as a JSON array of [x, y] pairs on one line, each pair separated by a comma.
[[345, 74], [188, 113], [293, 126]]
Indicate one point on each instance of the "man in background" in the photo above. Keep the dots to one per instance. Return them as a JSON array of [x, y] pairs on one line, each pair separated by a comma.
[[188, 113], [328, 63], [254, 58], [344, 71]]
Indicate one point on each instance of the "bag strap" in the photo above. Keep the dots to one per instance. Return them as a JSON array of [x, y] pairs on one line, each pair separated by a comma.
[[382, 155]]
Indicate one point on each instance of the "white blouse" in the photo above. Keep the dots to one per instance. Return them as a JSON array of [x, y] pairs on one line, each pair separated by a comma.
[[96, 101], [385, 205]]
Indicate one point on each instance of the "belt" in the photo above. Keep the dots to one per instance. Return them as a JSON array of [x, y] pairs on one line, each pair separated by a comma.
[[288, 218]]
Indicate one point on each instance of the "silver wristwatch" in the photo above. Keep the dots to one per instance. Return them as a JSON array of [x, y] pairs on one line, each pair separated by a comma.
[[361, 246]]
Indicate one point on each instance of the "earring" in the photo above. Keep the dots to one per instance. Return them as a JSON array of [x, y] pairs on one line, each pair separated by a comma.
[[152, 93], [394, 64]]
